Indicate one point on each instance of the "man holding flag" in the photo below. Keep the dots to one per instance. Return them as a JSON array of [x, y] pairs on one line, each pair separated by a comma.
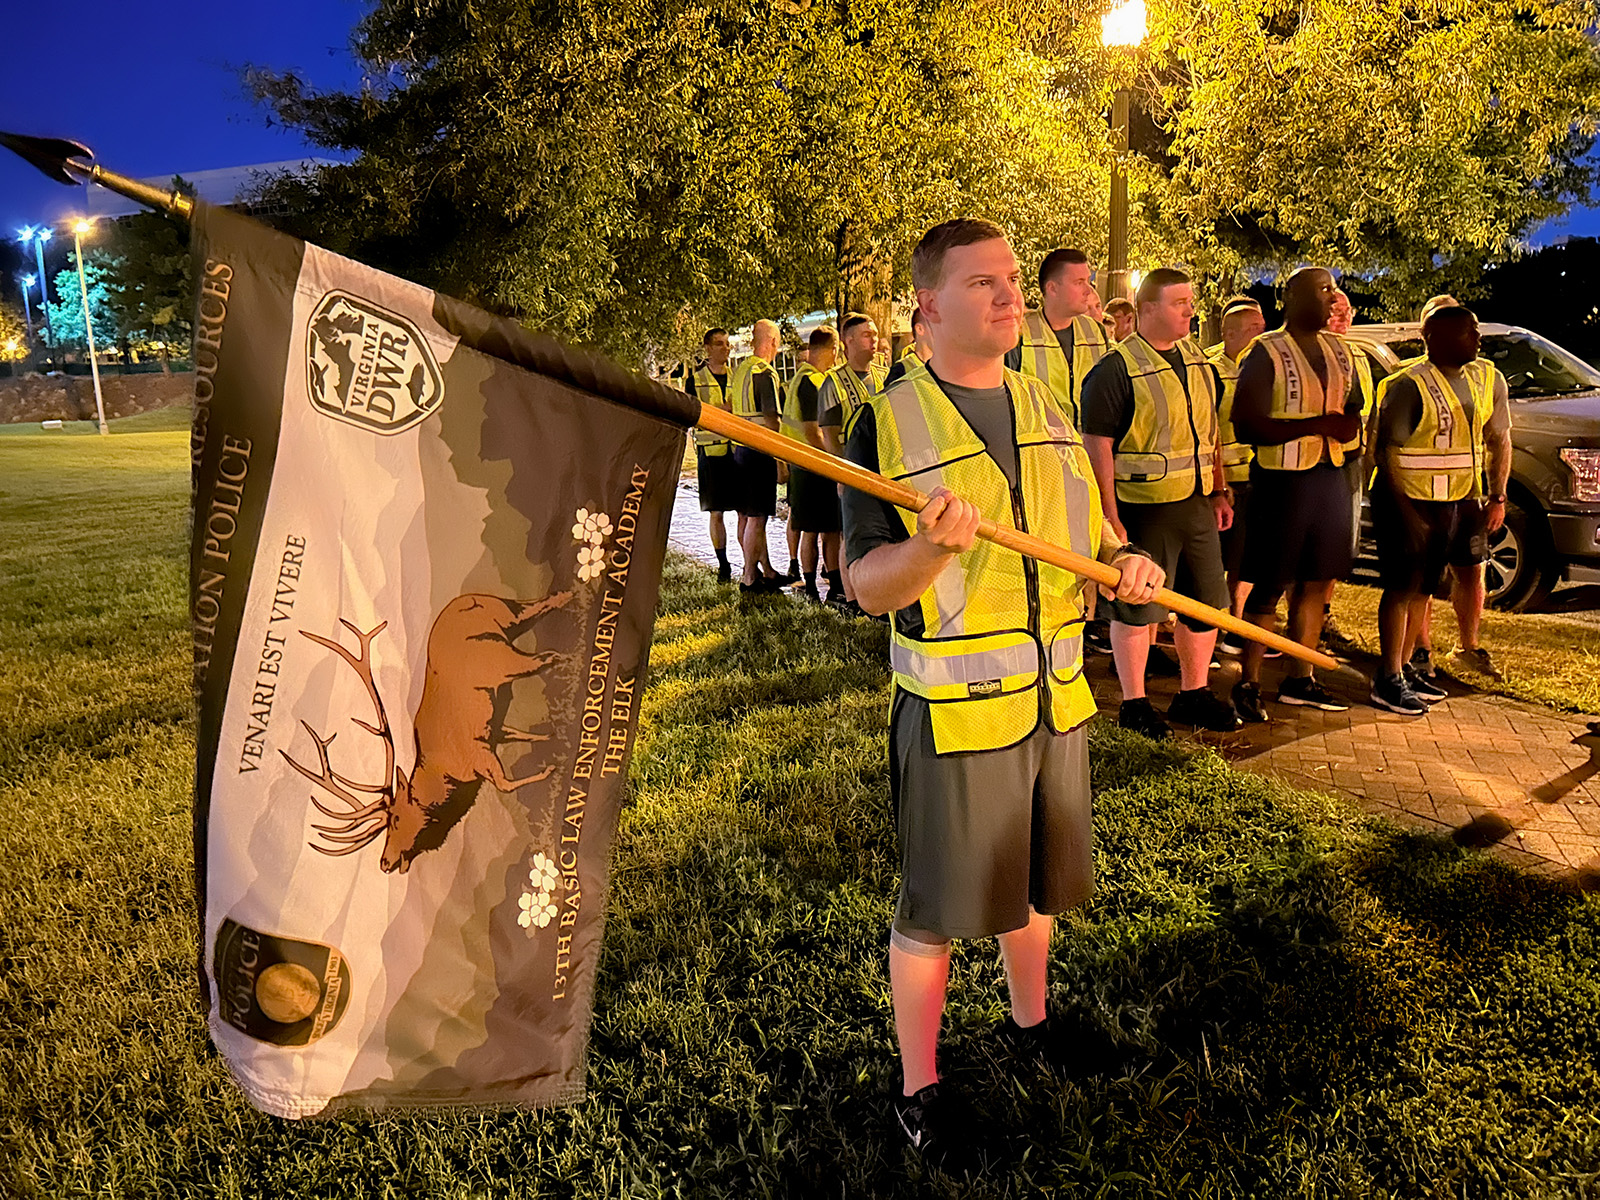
[[988, 750]]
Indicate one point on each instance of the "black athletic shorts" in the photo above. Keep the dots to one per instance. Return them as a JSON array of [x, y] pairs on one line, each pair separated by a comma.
[[1419, 539], [813, 502], [1232, 538], [1298, 532], [984, 837], [758, 482], [718, 479], [1182, 538]]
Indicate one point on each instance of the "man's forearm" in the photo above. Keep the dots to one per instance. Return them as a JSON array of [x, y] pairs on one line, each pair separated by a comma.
[[830, 438], [1499, 463], [813, 434], [890, 577], [1105, 474]]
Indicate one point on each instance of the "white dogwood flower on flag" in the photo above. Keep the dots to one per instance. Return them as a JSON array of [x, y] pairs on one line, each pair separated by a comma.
[[591, 562], [542, 875]]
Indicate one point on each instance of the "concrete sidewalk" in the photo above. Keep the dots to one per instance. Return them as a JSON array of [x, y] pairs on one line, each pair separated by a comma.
[[1487, 771]]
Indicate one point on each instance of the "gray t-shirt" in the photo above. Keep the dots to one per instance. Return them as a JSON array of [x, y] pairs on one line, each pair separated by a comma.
[[870, 522], [830, 405], [1402, 408]]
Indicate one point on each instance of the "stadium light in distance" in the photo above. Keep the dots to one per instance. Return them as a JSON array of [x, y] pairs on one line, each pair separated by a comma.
[[1123, 24]]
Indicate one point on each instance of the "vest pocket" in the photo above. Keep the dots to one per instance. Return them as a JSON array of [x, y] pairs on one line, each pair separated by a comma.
[[1066, 653], [1140, 468]]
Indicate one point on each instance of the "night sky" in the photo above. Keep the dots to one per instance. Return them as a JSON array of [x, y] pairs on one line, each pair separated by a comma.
[[155, 91]]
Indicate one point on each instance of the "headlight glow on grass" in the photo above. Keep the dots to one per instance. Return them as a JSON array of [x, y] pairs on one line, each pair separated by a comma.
[[1585, 464]]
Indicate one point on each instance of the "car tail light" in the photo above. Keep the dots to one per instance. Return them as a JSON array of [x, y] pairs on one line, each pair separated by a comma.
[[1585, 466]]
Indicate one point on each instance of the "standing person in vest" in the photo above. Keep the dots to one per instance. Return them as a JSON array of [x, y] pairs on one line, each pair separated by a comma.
[[792, 534], [1443, 423], [716, 474], [987, 747], [753, 393], [852, 384], [1339, 321], [1242, 323], [1062, 342], [813, 499], [1299, 404], [919, 351], [1150, 423]]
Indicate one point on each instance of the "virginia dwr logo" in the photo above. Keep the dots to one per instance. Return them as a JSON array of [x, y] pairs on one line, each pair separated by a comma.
[[370, 367]]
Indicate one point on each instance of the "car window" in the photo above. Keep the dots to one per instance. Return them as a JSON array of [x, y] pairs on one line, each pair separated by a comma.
[[1536, 367]]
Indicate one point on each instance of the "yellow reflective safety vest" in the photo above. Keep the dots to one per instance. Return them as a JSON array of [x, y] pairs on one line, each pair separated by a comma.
[[742, 386], [854, 391], [1298, 394], [1001, 647], [1444, 456], [1042, 357], [1236, 455], [789, 422], [1169, 451], [711, 393], [1369, 396]]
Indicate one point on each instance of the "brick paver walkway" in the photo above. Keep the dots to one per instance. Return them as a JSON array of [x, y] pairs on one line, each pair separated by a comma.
[[1487, 771]]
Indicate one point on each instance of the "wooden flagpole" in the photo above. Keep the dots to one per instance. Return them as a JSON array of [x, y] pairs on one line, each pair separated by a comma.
[[803, 454]]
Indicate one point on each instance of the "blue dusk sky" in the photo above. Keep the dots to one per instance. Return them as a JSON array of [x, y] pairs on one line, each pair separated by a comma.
[[155, 90]]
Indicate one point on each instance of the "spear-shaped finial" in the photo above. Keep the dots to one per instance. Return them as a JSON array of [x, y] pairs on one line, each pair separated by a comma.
[[72, 162]]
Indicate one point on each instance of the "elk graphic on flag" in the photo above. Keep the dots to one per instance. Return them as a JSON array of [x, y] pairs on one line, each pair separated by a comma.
[[459, 726]]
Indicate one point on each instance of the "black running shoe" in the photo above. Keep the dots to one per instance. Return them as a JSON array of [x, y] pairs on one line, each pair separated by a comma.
[[1423, 688], [925, 1120], [1141, 717], [1247, 702], [1199, 709], [1097, 637], [1041, 1043], [724, 573], [1390, 692], [792, 579], [811, 594], [1422, 662], [1306, 692]]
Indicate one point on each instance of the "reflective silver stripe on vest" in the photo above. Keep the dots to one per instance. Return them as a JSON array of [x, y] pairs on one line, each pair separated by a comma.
[[1066, 657], [953, 670]]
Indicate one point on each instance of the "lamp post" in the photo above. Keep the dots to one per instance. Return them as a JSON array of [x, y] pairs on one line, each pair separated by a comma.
[[39, 237], [27, 304], [1122, 25], [80, 228]]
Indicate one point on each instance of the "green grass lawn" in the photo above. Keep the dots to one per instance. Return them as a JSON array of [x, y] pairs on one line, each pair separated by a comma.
[[1272, 995]]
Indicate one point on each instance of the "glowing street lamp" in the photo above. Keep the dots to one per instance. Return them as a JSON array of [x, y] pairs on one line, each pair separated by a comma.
[[1122, 25], [78, 230], [39, 237], [27, 302]]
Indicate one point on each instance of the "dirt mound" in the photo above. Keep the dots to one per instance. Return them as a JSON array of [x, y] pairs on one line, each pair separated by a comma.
[[71, 397]]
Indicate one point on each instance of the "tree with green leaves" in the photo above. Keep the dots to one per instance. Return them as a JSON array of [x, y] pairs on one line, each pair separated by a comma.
[[66, 313], [13, 334], [630, 172], [152, 288]]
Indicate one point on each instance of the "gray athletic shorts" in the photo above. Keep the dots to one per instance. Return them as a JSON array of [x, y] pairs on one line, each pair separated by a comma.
[[984, 837], [1182, 538]]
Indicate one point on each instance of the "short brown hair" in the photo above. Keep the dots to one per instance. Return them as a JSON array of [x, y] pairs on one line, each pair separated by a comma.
[[1156, 282], [927, 260], [851, 320], [822, 338], [1117, 305], [1058, 261]]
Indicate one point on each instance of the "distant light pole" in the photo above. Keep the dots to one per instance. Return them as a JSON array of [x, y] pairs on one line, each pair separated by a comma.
[[1122, 25], [27, 303], [39, 237], [78, 230]]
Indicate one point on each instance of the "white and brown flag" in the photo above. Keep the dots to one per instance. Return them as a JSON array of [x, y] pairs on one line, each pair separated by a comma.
[[427, 546]]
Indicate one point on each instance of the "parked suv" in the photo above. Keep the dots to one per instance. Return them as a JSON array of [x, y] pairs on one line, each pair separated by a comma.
[[1552, 529]]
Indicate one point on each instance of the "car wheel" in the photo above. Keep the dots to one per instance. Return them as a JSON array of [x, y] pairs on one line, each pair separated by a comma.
[[1518, 574]]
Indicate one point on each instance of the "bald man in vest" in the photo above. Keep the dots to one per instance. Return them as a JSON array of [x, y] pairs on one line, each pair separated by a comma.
[[1242, 323], [753, 395], [1150, 422], [987, 745], [1444, 423], [1298, 402]]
